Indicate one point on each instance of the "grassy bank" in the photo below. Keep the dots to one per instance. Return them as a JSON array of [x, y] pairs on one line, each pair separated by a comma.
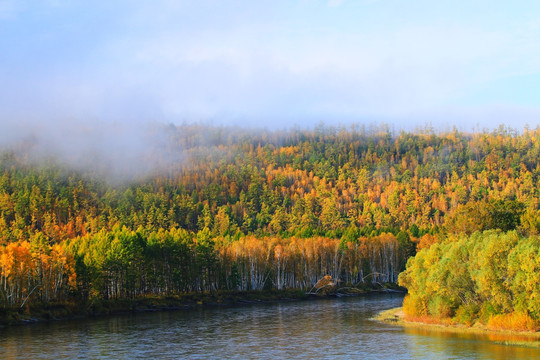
[[520, 338]]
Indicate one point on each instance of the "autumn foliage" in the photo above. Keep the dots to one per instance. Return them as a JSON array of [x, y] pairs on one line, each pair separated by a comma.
[[238, 209], [35, 272], [491, 277], [127, 264]]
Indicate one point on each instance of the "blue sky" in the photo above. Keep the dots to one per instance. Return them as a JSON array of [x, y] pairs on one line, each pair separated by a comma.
[[271, 63]]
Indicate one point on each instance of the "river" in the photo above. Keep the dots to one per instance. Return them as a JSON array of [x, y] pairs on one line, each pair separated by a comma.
[[321, 329]]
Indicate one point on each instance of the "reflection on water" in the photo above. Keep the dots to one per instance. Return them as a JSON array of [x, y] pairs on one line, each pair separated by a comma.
[[493, 337], [440, 344], [323, 329]]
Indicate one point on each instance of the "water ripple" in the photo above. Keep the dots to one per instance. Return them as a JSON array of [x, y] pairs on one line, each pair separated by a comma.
[[325, 329]]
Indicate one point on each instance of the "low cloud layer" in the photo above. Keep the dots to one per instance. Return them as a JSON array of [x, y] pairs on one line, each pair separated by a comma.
[[269, 63], [112, 151]]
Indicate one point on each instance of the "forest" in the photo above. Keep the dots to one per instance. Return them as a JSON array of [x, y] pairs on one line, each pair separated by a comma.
[[239, 209]]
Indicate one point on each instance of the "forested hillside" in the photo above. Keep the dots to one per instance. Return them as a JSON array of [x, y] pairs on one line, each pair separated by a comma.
[[235, 209]]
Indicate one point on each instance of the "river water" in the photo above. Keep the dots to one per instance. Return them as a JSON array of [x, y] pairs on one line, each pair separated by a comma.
[[321, 329]]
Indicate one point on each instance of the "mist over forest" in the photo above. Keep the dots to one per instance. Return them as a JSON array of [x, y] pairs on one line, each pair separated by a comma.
[[124, 151], [117, 212]]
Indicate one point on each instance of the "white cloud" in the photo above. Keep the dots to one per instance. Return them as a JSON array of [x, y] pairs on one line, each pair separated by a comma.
[[208, 60]]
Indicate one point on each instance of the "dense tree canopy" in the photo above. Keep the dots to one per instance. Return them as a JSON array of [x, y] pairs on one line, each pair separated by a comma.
[[233, 208], [491, 277]]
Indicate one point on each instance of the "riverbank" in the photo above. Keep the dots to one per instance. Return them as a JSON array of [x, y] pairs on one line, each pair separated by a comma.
[[396, 316], [97, 308]]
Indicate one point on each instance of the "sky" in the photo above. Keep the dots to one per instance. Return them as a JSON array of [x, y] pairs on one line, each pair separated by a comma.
[[472, 64]]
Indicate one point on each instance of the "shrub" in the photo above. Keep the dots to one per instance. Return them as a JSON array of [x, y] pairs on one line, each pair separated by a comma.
[[516, 321], [487, 311], [440, 307], [467, 314], [414, 306]]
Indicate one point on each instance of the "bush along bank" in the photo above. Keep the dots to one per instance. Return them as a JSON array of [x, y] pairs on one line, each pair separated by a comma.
[[489, 279]]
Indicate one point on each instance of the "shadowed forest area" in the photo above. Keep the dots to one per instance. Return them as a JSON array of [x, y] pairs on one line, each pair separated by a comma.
[[224, 208]]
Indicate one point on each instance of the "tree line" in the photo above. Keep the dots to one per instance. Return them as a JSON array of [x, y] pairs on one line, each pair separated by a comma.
[[126, 264]]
